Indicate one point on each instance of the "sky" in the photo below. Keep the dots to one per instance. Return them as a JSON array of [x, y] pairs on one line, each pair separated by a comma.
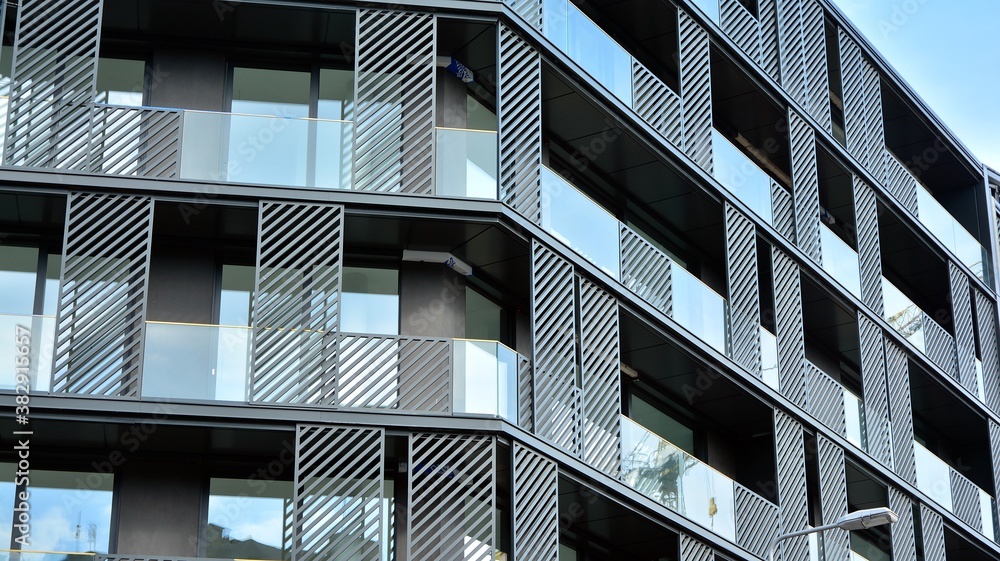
[[948, 52]]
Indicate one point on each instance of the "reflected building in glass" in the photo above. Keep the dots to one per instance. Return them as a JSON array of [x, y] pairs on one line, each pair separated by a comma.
[[498, 280]]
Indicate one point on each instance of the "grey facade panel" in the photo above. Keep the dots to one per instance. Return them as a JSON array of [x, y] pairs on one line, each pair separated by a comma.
[[932, 531], [965, 338], [536, 505], [519, 112], [696, 90], [833, 491], [806, 191], [903, 536], [901, 411], [744, 292], [869, 248], [792, 510], [790, 334], [873, 378], [601, 376], [756, 521]]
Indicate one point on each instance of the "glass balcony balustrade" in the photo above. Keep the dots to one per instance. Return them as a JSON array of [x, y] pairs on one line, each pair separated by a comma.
[[595, 51], [741, 176], [28, 343], [40, 555], [274, 150], [769, 358], [485, 378], [903, 315], [854, 409], [936, 479], [195, 361], [595, 234], [466, 163], [677, 480], [840, 260]]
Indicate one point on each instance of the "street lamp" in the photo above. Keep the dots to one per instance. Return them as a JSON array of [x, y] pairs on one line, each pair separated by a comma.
[[857, 520]]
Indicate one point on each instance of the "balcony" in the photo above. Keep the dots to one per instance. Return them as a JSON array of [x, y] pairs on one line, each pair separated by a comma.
[[919, 328], [950, 489], [840, 261], [741, 176], [466, 163], [34, 338], [854, 409], [936, 218], [213, 362], [619, 251], [679, 481]]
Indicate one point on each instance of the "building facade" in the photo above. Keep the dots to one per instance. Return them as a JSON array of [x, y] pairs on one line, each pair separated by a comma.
[[470, 279]]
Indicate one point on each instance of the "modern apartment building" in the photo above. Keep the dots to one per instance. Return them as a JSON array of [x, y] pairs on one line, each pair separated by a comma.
[[477, 280]]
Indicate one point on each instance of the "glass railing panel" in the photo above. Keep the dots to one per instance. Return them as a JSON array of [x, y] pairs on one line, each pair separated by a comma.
[[193, 361], [485, 378], [580, 223], [698, 308], [466, 163], [933, 475], [840, 260], [677, 480], [987, 509], [270, 150], [741, 176], [769, 358], [587, 44], [26, 342], [980, 388], [950, 232], [29, 555], [854, 407], [902, 314]]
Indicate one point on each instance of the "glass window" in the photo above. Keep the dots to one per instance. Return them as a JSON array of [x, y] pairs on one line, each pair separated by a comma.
[[246, 519], [260, 91], [69, 510], [237, 294], [121, 81], [370, 301], [336, 94], [665, 426], [483, 317], [18, 271]]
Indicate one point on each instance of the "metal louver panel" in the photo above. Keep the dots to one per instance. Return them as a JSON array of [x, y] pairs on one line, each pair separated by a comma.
[[806, 186], [790, 47], [869, 249], [788, 323], [338, 477], [873, 381], [601, 360], [657, 104], [900, 182], [756, 521], [536, 505], [694, 550], [965, 501], [783, 211], [965, 338], [102, 297], [826, 399], [135, 141], [939, 346], [452, 497], [833, 502], [744, 292], [874, 126], [525, 397], [389, 372], [995, 454], [817, 81], [54, 82], [741, 26], [553, 320], [901, 410], [791, 464], [645, 270], [394, 132], [519, 106], [987, 324], [696, 90], [296, 303], [903, 538], [863, 108], [932, 531], [768, 11], [530, 10]]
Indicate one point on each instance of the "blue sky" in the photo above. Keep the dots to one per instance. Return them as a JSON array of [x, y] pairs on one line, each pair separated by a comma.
[[948, 52]]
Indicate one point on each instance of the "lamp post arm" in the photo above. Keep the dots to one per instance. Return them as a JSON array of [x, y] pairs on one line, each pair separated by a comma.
[[797, 533]]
